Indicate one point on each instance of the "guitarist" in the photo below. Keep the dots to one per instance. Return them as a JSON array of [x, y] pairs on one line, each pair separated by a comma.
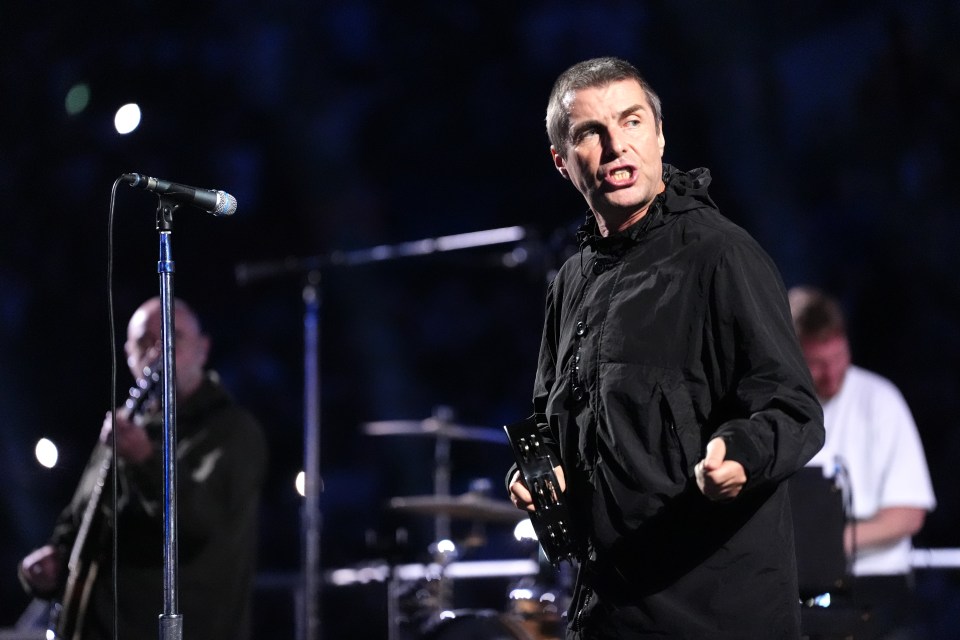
[[221, 462]]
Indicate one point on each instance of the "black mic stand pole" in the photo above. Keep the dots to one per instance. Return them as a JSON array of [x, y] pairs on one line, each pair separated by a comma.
[[171, 621]]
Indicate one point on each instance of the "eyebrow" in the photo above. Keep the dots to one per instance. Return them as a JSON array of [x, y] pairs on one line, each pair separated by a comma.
[[637, 107], [586, 124]]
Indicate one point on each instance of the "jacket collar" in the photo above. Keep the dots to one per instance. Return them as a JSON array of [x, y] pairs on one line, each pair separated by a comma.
[[683, 192]]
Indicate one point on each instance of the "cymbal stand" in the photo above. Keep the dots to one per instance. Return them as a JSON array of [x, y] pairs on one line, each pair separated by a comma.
[[246, 273], [309, 621], [441, 471], [444, 549]]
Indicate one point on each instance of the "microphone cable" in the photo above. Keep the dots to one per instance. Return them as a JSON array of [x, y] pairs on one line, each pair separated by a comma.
[[113, 404]]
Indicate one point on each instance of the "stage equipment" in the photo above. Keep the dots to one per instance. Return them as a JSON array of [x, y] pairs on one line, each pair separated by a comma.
[[311, 269], [219, 203], [170, 197], [468, 506], [434, 427]]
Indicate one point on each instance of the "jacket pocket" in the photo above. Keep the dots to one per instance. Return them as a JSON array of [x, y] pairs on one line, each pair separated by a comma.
[[684, 430]]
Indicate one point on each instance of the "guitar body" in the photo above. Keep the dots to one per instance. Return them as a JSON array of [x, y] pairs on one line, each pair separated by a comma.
[[551, 519], [67, 616]]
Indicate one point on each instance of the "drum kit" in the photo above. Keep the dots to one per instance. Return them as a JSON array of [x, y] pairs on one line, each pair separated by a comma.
[[420, 595]]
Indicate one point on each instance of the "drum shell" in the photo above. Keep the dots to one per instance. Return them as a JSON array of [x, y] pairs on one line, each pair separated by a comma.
[[476, 625]]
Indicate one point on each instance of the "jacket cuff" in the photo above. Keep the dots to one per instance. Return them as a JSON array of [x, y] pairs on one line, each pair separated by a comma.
[[742, 449]]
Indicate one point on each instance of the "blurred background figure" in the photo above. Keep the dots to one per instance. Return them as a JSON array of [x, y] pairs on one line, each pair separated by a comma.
[[872, 440], [221, 464]]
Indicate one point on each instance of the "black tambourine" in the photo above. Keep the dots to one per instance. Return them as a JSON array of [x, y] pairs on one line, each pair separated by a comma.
[[551, 519]]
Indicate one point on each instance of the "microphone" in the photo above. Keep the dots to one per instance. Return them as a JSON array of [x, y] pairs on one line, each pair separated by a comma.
[[219, 203]]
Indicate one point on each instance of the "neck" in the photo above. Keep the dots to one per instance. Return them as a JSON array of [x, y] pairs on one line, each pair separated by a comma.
[[616, 220], [615, 224], [186, 388]]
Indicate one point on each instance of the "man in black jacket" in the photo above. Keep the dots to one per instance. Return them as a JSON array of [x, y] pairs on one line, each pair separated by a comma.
[[670, 385], [221, 463]]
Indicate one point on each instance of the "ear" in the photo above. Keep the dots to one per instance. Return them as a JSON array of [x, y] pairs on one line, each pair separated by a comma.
[[660, 140], [559, 163], [203, 347]]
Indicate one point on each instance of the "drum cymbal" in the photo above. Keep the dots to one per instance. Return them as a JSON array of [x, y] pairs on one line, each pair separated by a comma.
[[434, 427], [468, 506]]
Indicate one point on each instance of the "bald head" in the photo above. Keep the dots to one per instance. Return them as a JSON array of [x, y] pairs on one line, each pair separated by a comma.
[[192, 346]]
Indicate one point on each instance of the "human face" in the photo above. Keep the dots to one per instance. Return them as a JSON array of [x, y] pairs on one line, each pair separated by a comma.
[[828, 361], [614, 154], [143, 344]]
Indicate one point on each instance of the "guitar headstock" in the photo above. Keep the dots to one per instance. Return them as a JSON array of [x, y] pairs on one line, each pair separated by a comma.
[[145, 389]]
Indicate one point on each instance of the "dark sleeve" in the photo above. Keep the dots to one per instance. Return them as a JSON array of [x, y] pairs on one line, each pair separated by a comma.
[[773, 420], [68, 523], [547, 361], [545, 376], [69, 520], [219, 475]]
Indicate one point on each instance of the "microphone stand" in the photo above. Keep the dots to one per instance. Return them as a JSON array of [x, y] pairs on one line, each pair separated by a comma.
[[171, 621]]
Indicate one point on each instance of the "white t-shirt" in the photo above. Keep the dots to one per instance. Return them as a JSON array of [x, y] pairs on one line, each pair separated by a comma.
[[871, 433]]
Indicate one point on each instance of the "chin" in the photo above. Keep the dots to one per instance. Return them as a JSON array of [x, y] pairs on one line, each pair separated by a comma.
[[630, 198], [612, 210]]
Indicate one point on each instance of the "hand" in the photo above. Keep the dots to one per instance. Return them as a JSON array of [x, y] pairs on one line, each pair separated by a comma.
[[520, 495], [133, 445], [40, 571], [717, 477]]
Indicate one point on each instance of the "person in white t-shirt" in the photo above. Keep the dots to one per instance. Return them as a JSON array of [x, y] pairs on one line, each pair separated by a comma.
[[872, 441]]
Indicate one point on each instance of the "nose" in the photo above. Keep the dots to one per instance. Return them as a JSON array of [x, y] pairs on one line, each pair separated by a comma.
[[616, 141]]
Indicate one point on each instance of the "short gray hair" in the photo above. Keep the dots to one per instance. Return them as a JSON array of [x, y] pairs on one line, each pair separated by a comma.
[[597, 72]]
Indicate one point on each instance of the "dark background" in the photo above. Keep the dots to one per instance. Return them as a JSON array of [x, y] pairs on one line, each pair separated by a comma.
[[831, 129]]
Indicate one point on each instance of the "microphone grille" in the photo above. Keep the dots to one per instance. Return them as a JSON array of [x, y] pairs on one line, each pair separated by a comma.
[[226, 204]]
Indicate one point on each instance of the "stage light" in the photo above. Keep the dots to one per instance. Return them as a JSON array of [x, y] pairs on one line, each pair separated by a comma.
[[77, 99], [446, 546], [46, 453], [127, 118], [524, 531], [301, 484]]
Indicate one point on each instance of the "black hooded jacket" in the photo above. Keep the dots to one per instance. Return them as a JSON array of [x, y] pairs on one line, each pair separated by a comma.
[[658, 339]]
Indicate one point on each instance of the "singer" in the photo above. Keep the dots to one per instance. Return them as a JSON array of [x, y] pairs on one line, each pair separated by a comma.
[[221, 461], [671, 384]]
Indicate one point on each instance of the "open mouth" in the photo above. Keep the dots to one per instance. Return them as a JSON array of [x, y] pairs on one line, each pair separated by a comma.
[[621, 176]]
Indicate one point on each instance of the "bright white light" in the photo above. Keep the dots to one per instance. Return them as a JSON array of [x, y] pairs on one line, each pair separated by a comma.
[[127, 118], [46, 453], [524, 530], [301, 484], [823, 600], [521, 594], [446, 546]]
